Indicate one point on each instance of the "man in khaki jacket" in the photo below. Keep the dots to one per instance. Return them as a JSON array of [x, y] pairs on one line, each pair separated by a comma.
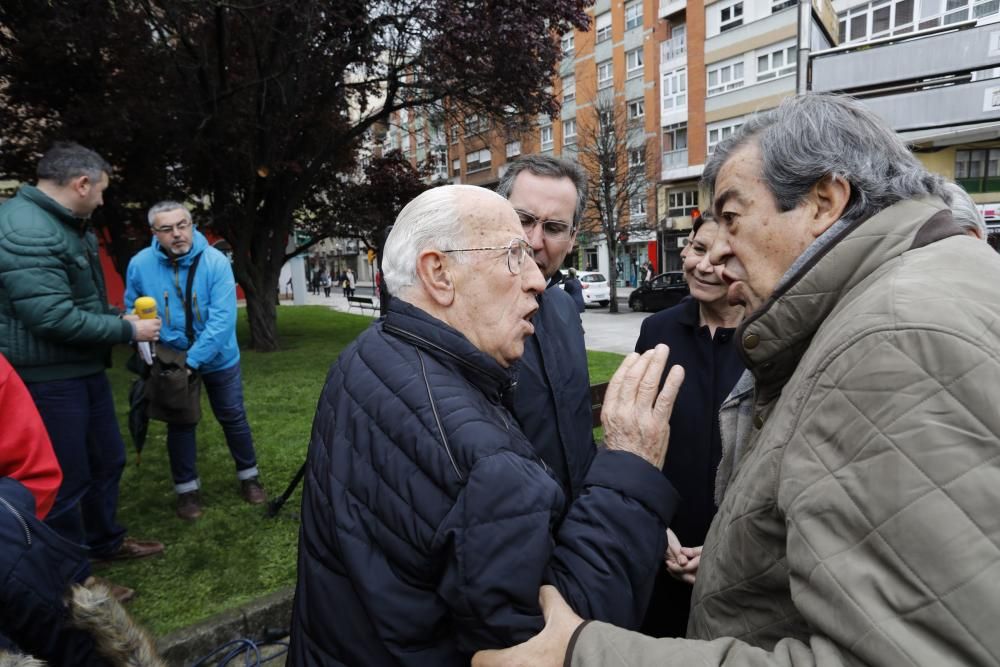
[[858, 525]]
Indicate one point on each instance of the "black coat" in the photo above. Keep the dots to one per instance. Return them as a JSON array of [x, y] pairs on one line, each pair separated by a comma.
[[711, 368], [428, 523]]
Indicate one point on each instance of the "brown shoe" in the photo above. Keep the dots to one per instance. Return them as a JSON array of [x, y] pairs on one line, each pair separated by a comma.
[[189, 505], [253, 491], [121, 593], [130, 549]]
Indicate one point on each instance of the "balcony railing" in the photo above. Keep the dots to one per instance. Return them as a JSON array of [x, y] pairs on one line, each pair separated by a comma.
[[673, 48], [675, 159]]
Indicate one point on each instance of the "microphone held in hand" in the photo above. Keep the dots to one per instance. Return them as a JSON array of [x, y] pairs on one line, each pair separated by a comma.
[[145, 308]]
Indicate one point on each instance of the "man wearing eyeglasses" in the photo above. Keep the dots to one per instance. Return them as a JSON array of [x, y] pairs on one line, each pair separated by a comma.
[[552, 400], [161, 271], [428, 520]]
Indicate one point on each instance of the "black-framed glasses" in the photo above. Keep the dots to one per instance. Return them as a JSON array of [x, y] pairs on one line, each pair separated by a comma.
[[181, 226], [556, 230], [517, 251]]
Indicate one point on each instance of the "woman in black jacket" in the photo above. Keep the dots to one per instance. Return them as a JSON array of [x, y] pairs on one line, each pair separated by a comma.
[[699, 331]]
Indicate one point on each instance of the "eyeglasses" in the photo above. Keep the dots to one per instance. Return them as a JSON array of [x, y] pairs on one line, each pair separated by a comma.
[[517, 251], [180, 226], [553, 229]]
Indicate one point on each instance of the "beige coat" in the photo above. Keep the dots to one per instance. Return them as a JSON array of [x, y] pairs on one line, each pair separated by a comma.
[[861, 524]]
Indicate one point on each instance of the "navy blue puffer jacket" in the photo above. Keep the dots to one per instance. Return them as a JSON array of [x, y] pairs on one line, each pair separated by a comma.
[[428, 522]]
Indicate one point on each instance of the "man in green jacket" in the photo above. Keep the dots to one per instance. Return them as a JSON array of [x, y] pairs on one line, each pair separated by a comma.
[[858, 523], [57, 329]]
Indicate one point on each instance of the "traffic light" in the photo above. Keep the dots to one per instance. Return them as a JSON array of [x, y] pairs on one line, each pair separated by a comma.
[[371, 255]]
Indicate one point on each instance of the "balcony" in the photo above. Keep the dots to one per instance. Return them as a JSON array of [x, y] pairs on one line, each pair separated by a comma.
[[673, 49], [670, 7], [674, 159]]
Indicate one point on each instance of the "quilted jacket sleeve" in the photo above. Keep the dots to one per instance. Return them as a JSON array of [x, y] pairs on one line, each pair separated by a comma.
[[888, 487], [506, 541]]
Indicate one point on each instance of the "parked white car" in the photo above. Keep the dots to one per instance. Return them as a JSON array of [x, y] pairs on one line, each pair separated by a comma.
[[596, 290]]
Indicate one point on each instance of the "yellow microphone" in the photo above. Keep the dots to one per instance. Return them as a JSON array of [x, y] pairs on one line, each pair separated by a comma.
[[145, 308]]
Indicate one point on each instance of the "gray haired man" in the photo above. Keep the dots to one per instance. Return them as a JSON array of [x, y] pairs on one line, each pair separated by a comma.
[[859, 525]]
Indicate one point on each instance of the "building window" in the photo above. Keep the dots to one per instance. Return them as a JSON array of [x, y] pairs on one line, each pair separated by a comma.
[[682, 202], [633, 63], [674, 90], [567, 44], [725, 77], [513, 149], [636, 158], [633, 15], [778, 5], [978, 170], [718, 132], [605, 75], [477, 161], [456, 167], [896, 17], [569, 131], [545, 135], [637, 206], [779, 62], [731, 16], [602, 26], [636, 109], [569, 88], [675, 144], [453, 131]]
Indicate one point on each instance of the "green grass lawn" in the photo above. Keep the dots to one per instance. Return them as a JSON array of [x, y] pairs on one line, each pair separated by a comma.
[[234, 553]]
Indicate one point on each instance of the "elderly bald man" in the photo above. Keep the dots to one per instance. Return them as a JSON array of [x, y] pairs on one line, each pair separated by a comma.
[[428, 520]]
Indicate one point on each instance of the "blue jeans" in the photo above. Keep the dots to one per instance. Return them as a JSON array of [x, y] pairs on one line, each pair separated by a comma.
[[79, 415], [225, 394]]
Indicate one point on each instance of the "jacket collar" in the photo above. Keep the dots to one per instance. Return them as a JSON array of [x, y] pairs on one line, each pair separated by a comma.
[[51, 206], [198, 245], [772, 340], [406, 321]]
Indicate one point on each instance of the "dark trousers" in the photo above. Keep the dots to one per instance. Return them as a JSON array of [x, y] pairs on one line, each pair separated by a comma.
[[79, 415], [225, 394]]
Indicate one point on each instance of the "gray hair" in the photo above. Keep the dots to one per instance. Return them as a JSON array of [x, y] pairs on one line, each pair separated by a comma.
[[432, 220], [67, 160], [163, 207], [551, 167], [816, 136], [964, 210]]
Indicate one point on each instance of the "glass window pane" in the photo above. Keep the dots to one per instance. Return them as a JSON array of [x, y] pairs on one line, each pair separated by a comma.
[[904, 13], [880, 20], [859, 27], [929, 8], [993, 164], [713, 78], [738, 71], [762, 64], [726, 73], [778, 59]]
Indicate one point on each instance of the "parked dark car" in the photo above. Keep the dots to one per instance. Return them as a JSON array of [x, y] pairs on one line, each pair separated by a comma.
[[663, 291]]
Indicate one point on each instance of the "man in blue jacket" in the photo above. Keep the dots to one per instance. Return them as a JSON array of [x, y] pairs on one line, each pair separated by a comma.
[[428, 520], [161, 272], [552, 401]]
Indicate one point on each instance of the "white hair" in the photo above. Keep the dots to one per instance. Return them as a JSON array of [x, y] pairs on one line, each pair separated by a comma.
[[964, 210], [163, 207], [432, 220]]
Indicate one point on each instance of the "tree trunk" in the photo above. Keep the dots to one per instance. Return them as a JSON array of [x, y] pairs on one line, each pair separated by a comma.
[[612, 275], [262, 314]]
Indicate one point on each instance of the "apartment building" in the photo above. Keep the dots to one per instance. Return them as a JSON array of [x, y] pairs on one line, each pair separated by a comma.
[[931, 69], [721, 60]]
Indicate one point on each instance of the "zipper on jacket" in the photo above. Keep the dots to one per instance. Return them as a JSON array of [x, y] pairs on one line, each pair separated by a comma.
[[194, 305], [437, 417], [20, 519], [166, 305]]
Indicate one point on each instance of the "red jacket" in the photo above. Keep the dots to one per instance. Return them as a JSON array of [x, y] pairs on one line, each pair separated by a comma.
[[25, 449]]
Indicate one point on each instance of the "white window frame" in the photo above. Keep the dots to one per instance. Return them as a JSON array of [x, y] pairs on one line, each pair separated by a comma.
[[602, 27], [545, 137], [567, 44], [722, 130], [921, 14], [569, 131], [633, 15], [569, 88], [607, 67], [513, 149], [637, 206], [731, 15], [633, 63], [778, 5], [636, 158], [673, 90], [456, 167], [729, 75], [477, 161], [788, 55], [681, 202], [636, 109], [453, 130]]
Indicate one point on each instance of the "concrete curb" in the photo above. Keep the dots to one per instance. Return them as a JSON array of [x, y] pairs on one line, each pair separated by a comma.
[[252, 620]]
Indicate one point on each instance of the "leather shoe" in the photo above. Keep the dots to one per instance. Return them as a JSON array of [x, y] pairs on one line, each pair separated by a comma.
[[121, 593], [131, 549], [189, 505], [253, 491]]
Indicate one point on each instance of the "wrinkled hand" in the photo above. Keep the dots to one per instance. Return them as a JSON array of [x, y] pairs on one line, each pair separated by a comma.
[[682, 562], [146, 330], [547, 648], [635, 416]]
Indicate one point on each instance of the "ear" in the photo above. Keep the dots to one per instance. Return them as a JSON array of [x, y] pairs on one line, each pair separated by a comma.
[[830, 196], [435, 277], [81, 185]]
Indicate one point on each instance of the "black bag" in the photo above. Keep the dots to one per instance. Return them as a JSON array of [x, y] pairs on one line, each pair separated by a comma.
[[174, 394]]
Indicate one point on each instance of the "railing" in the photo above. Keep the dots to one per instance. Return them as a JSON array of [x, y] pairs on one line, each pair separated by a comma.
[[675, 159], [675, 47]]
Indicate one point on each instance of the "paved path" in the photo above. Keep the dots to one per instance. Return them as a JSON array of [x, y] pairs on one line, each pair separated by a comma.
[[602, 330]]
